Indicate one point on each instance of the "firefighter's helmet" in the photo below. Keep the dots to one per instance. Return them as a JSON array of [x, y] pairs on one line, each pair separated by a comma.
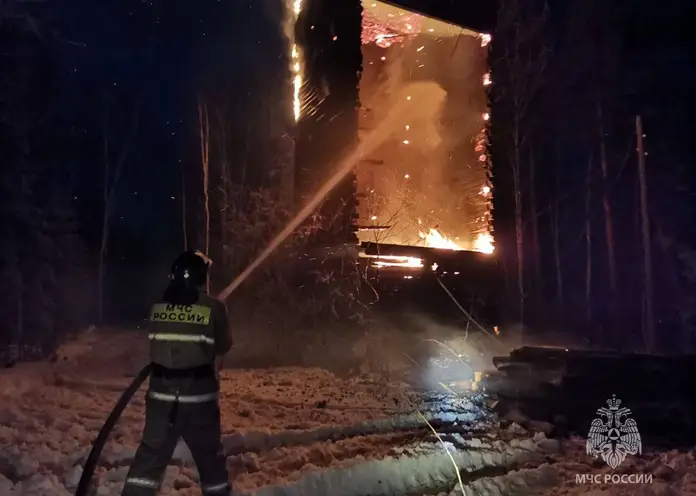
[[191, 268]]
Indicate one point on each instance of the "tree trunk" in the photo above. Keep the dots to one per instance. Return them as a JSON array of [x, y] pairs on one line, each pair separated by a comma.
[[223, 207], [106, 189], [109, 191], [102, 265], [608, 223], [670, 252], [17, 344], [555, 217], [535, 226], [184, 230], [648, 321], [245, 161], [519, 228], [205, 148], [588, 243], [555, 229]]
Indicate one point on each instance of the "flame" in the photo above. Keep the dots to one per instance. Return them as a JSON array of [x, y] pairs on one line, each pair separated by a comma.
[[484, 243], [436, 240], [296, 64], [386, 26], [395, 261]]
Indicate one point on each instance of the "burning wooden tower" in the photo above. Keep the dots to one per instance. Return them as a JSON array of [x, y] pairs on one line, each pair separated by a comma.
[[428, 184]]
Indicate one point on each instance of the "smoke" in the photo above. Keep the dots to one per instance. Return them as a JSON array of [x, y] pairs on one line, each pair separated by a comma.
[[402, 346], [434, 352]]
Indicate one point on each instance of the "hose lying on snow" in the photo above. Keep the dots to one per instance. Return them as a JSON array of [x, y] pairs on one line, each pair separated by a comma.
[[98, 445]]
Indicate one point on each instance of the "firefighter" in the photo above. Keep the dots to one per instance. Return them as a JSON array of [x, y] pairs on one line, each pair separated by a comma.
[[188, 332]]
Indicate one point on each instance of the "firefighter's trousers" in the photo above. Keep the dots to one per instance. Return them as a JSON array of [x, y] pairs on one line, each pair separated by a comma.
[[166, 421]]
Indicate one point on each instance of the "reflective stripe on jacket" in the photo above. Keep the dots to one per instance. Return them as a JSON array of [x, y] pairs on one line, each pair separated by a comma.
[[188, 336], [183, 398]]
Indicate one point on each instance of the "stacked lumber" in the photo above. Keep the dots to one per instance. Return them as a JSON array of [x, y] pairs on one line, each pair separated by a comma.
[[563, 388]]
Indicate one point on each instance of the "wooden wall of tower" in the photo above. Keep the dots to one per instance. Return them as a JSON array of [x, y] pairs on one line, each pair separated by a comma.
[[328, 33]]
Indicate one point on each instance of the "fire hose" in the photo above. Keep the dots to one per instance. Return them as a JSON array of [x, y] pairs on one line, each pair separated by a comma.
[[91, 464], [98, 446]]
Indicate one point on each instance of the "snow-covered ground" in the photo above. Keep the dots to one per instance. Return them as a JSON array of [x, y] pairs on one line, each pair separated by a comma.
[[295, 431]]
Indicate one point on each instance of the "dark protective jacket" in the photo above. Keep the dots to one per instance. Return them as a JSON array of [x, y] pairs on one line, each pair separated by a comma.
[[184, 342], [183, 396]]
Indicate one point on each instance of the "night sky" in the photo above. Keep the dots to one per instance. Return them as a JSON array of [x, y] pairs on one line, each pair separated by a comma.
[[138, 50], [152, 59]]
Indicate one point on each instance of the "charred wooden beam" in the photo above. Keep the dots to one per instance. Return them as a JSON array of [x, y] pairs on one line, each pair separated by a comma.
[[471, 262]]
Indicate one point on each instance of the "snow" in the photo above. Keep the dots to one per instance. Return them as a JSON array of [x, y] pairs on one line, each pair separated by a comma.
[[291, 431], [407, 474]]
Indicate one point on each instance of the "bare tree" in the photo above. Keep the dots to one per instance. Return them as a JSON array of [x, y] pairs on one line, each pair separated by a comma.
[[184, 229], [112, 170], [204, 128], [222, 170], [603, 67], [534, 220], [555, 230], [606, 205], [588, 240], [524, 60]]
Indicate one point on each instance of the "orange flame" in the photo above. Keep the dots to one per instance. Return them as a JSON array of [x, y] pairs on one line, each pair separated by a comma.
[[484, 243], [395, 261], [434, 239]]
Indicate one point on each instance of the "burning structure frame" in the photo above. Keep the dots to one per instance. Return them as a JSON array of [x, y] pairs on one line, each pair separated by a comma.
[[327, 64], [429, 183]]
